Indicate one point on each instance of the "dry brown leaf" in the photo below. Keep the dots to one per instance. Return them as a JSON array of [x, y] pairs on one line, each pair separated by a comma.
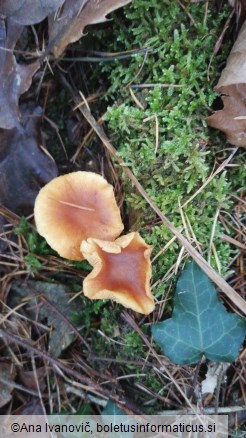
[[29, 379], [215, 370], [75, 15], [31, 407], [239, 7], [24, 167], [232, 88], [60, 337], [26, 12], [15, 78], [7, 375]]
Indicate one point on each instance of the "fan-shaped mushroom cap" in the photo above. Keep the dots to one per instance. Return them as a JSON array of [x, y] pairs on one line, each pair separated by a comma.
[[122, 271], [72, 208]]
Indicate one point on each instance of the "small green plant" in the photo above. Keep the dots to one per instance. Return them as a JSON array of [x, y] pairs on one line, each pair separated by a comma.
[[36, 244], [32, 263]]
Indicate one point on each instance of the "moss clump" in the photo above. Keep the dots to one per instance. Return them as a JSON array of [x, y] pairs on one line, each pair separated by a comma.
[[179, 53]]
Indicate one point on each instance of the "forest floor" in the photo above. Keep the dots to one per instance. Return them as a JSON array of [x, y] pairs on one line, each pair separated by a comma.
[[148, 78]]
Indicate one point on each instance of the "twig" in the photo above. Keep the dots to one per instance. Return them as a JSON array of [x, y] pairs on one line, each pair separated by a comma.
[[219, 42], [213, 233], [135, 86], [206, 410], [37, 384], [141, 68], [233, 241], [187, 12]]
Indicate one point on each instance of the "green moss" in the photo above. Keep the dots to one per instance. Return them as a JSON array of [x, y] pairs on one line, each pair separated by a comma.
[[179, 54], [32, 263], [36, 244]]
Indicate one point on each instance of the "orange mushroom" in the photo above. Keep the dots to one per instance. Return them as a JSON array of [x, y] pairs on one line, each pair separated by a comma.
[[122, 271], [72, 208]]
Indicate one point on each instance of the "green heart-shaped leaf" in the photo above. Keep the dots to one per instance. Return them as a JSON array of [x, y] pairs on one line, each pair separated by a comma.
[[200, 324], [114, 411]]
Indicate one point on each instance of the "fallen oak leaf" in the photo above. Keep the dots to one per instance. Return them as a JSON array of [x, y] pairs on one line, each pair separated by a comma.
[[7, 376], [232, 119], [232, 87], [24, 166], [31, 407], [29, 379], [200, 324], [27, 12], [60, 335], [239, 7], [67, 28], [15, 78], [75, 15]]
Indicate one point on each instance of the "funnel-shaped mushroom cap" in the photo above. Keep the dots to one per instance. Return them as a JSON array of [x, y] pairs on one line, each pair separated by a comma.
[[72, 208], [122, 271]]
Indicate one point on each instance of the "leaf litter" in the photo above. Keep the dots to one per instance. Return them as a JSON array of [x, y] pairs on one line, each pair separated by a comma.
[[213, 374], [232, 88], [58, 295], [15, 77], [7, 376], [75, 15], [27, 12], [24, 165]]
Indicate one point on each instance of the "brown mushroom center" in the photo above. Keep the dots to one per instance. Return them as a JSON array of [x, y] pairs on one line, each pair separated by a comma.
[[124, 272]]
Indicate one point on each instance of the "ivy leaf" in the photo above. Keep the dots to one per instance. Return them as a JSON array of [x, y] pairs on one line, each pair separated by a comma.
[[200, 324], [114, 411]]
